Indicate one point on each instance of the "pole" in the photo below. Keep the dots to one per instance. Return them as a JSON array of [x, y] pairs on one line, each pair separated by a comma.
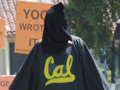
[[113, 69]]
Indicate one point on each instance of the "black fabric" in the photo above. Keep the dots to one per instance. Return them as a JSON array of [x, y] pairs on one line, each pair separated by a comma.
[[56, 31], [72, 69], [117, 31], [53, 64]]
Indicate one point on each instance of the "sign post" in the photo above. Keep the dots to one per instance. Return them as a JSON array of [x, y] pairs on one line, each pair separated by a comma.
[[29, 24]]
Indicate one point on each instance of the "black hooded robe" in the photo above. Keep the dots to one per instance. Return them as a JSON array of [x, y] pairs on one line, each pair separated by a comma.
[[87, 75], [67, 67]]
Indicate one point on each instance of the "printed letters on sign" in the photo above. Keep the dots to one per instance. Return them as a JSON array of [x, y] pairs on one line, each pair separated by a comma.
[[29, 24], [4, 83], [35, 14]]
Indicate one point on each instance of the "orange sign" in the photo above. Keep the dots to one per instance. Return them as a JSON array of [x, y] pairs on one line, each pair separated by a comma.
[[29, 24], [2, 33], [5, 82]]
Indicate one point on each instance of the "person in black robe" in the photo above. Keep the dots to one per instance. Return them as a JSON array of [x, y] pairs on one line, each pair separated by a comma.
[[60, 61]]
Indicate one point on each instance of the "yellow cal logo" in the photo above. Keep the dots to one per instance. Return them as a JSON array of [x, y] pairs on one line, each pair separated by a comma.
[[58, 76]]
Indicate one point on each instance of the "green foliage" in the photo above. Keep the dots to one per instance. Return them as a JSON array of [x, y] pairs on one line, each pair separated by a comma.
[[92, 21]]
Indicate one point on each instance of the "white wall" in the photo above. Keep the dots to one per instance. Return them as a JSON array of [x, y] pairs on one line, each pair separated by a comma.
[[5, 57], [2, 61]]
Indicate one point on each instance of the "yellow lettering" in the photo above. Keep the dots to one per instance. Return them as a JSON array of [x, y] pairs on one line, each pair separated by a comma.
[[46, 69], [55, 72], [58, 76]]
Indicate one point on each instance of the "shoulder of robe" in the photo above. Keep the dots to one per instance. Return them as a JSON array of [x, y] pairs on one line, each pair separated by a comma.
[[77, 40]]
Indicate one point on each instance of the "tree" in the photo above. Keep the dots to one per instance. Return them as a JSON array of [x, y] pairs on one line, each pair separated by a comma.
[[93, 20]]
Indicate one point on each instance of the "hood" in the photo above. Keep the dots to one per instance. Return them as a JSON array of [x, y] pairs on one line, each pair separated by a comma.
[[56, 31]]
